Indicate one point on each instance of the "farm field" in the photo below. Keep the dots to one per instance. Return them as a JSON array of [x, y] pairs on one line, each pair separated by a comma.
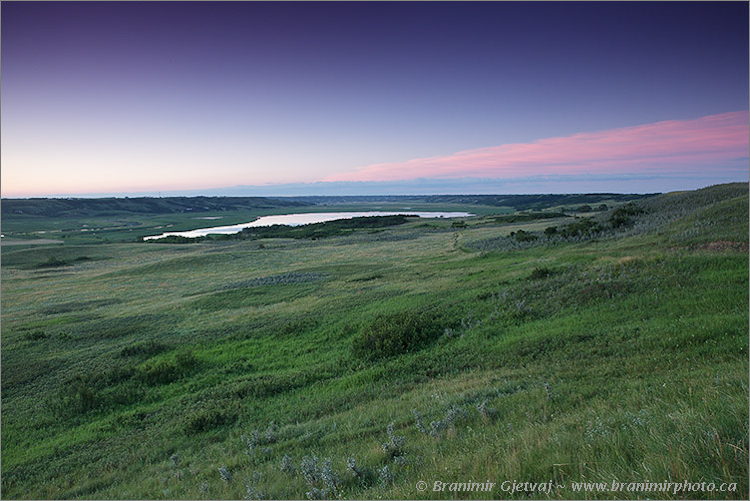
[[530, 343]]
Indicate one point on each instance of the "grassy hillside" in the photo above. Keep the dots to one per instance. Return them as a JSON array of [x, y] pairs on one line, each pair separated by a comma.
[[614, 348]]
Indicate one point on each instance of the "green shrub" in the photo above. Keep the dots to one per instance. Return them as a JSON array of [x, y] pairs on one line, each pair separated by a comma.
[[207, 417], [186, 361], [35, 335], [581, 228], [159, 372], [541, 272], [623, 216], [52, 262], [523, 236], [78, 396], [165, 371], [394, 334], [298, 327], [150, 347]]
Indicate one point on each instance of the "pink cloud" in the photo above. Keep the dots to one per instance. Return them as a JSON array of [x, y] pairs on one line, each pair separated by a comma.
[[670, 147]]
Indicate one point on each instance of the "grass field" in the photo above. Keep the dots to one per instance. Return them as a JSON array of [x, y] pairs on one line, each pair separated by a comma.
[[613, 348]]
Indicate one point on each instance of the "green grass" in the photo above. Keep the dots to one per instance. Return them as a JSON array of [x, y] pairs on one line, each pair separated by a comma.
[[142, 370]]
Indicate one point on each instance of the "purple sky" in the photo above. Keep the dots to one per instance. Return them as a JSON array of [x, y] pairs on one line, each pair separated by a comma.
[[141, 97]]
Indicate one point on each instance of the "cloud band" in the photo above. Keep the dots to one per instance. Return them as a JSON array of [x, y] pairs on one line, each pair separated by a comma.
[[669, 147]]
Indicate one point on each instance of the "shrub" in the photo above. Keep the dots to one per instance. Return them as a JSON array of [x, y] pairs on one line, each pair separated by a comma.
[[395, 444], [35, 335], [225, 474], [159, 372], [150, 347], [323, 480], [523, 236], [206, 418], [351, 466], [541, 272], [165, 371], [52, 262], [287, 466], [186, 361], [486, 412], [79, 396], [394, 334], [581, 228], [386, 477], [623, 216]]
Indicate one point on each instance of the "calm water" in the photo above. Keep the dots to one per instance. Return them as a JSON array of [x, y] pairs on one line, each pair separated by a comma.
[[299, 219]]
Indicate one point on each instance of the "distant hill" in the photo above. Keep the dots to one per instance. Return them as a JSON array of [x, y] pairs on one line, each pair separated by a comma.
[[518, 202], [67, 207], [526, 202], [76, 207]]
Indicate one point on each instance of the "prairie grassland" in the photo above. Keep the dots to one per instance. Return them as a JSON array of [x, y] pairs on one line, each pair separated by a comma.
[[355, 366]]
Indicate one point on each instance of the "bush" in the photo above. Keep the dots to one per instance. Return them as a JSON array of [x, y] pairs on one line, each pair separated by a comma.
[[581, 228], [165, 371], [160, 372], [150, 347], [207, 417], [523, 236], [540, 273], [52, 262], [79, 395], [394, 334], [623, 216]]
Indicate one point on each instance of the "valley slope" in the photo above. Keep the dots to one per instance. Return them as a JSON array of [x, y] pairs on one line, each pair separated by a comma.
[[598, 346]]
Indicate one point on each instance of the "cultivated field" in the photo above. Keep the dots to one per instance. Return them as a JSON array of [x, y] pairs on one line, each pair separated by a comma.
[[608, 344]]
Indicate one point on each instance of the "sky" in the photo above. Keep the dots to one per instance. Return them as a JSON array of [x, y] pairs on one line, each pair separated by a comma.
[[275, 98]]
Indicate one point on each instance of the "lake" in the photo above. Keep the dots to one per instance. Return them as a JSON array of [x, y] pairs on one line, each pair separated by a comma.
[[300, 219]]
